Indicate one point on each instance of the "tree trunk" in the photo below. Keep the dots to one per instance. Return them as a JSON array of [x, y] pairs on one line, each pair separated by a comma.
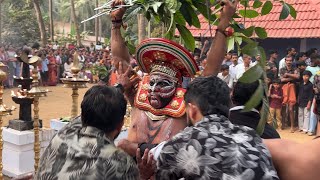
[[141, 27], [1, 21], [96, 24], [149, 29], [100, 29], [76, 25], [51, 21], [163, 30], [43, 34]]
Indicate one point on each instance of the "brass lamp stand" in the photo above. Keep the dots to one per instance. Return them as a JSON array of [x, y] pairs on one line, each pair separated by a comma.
[[4, 111], [36, 93], [75, 82]]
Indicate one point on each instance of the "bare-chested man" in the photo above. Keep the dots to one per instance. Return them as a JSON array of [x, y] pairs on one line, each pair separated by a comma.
[[158, 111]]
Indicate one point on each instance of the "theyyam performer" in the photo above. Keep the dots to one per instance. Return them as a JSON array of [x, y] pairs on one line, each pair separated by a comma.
[[158, 108]]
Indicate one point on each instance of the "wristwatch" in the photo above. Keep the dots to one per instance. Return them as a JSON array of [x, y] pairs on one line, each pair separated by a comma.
[[119, 87]]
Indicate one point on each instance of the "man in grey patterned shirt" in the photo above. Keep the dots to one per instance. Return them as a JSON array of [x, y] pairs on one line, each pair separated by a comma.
[[212, 147], [84, 149]]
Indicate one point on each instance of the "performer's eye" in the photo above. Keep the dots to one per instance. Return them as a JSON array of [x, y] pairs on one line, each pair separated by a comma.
[[162, 84], [151, 83]]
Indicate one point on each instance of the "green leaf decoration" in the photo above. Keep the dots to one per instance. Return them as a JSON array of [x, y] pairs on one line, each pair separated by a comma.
[[293, 12], [172, 5], [264, 116], [170, 33], [248, 13], [195, 19], [230, 43], [132, 12], [248, 49], [266, 8], [185, 8], [249, 31], [255, 99], [263, 56], [252, 74], [244, 3], [285, 11], [179, 19], [261, 32], [257, 4], [156, 6], [187, 37], [238, 40]]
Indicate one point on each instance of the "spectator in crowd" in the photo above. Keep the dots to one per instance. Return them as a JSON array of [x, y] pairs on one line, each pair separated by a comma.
[[301, 67], [67, 67], [305, 98], [13, 65], [55, 46], [289, 76], [44, 73], [290, 52], [241, 68], [232, 67], [227, 58], [301, 57], [314, 67], [84, 149], [225, 75], [275, 99], [52, 69], [271, 69], [242, 92], [309, 53]]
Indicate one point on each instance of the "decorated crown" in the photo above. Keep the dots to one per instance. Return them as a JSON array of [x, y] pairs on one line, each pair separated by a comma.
[[157, 55]]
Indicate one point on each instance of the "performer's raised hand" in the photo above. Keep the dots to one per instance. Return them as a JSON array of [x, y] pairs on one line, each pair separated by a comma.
[[125, 77], [117, 14], [228, 10]]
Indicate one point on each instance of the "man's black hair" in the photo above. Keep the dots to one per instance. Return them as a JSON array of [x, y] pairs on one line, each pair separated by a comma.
[[232, 52], [103, 107], [306, 72], [289, 49], [242, 93], [300, 54], [272, 52], [315, 57], [301, 63], [210, 94], [224, 67], [311, 52], [276, 81]]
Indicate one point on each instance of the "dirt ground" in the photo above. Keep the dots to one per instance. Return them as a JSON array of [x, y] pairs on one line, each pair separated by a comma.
[[58, 104]]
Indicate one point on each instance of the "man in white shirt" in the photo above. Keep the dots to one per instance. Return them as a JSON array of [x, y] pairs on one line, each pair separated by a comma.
[[232, 67], [290, 52], [225, 75], [241, 68]]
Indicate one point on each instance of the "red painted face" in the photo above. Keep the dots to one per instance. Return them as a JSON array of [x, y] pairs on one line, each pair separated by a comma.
[[161, 91]]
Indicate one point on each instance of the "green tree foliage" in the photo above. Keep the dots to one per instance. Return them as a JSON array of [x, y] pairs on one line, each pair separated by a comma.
[[19, 24]]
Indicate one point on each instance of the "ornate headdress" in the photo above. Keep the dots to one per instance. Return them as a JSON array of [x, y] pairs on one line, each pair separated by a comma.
[[157, 55]]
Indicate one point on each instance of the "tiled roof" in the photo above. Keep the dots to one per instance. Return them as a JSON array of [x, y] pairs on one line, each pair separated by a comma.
[[306, 25]]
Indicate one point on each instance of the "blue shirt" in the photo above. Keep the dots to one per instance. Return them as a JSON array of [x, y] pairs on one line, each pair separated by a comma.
[[44, 64]]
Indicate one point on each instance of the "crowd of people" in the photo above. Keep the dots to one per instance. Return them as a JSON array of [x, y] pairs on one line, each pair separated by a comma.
[[291, 81], [56, 61]]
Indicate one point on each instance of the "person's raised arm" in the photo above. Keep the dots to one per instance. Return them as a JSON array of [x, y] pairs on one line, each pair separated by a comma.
[[218, 48], [118, 46]]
